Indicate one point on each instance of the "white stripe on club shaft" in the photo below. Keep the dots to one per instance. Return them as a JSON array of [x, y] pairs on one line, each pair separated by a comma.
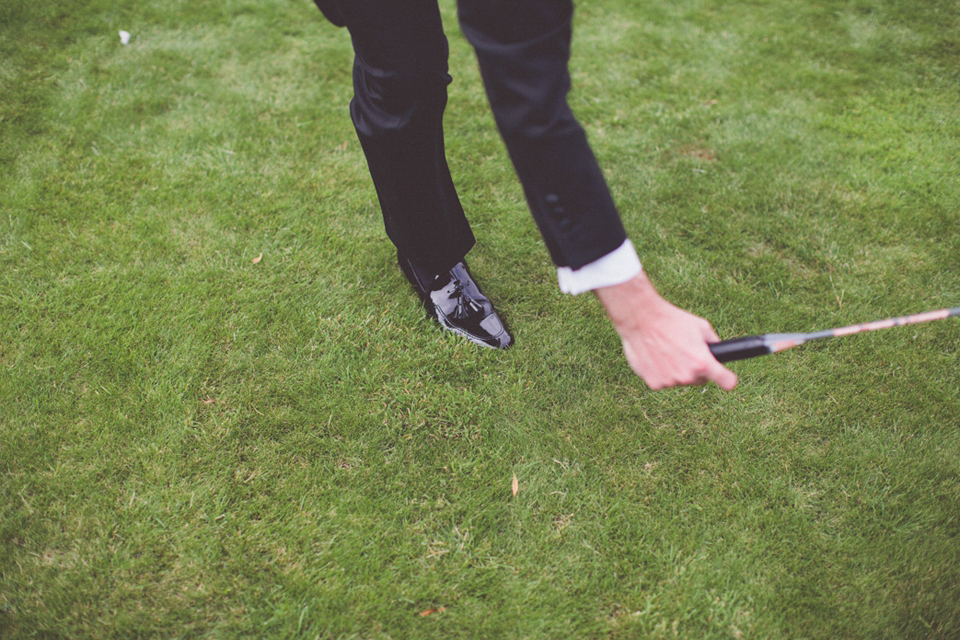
[[791, 340]]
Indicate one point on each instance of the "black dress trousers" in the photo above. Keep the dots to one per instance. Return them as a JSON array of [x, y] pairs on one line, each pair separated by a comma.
[[400, 92]]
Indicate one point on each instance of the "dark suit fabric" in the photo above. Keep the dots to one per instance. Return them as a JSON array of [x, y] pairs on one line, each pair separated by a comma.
[[400, 82]]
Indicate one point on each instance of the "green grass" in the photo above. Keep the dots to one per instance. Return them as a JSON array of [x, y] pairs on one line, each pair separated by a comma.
[[196, 443]]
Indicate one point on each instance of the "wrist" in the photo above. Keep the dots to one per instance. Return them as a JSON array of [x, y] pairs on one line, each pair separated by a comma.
[[630, 303]]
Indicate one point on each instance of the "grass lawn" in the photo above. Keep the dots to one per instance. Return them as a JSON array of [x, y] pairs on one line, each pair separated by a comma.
[[223, 413]]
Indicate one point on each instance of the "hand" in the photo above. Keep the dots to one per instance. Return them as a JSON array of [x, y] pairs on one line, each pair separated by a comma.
[[664, 345]]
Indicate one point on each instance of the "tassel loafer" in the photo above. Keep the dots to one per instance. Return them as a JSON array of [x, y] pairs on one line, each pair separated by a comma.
[[454, 300]]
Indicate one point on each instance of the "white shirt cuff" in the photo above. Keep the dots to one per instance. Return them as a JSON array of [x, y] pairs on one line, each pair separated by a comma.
[[616, 267]]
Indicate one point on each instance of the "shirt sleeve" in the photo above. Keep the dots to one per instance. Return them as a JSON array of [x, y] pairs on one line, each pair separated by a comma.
[[616, 267]]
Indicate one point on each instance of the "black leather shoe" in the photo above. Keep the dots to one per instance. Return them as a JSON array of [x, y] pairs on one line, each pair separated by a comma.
[[456, 302]]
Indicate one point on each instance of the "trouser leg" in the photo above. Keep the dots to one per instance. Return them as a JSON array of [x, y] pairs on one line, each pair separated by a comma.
[[523, 48], [400, 93]]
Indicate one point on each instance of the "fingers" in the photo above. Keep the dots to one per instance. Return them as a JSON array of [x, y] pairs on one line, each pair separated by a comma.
[[667, 369], [723, 377], [664, 345], [712, 371]]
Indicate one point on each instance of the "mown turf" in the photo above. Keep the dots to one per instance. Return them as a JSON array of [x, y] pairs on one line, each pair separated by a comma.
[[224, 414]]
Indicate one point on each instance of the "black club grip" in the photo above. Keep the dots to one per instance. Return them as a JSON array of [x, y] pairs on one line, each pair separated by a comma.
[[739, 348]]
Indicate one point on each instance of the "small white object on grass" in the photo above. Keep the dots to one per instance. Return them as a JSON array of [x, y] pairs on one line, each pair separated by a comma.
[[124, 37]]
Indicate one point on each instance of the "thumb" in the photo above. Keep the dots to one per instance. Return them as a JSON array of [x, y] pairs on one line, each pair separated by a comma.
[[725, 378]]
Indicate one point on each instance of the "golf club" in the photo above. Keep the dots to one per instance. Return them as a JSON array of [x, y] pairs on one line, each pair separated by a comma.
[[767, 343]]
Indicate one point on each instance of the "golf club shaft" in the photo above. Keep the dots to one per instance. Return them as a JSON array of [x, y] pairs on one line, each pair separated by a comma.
[[767, 343]]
